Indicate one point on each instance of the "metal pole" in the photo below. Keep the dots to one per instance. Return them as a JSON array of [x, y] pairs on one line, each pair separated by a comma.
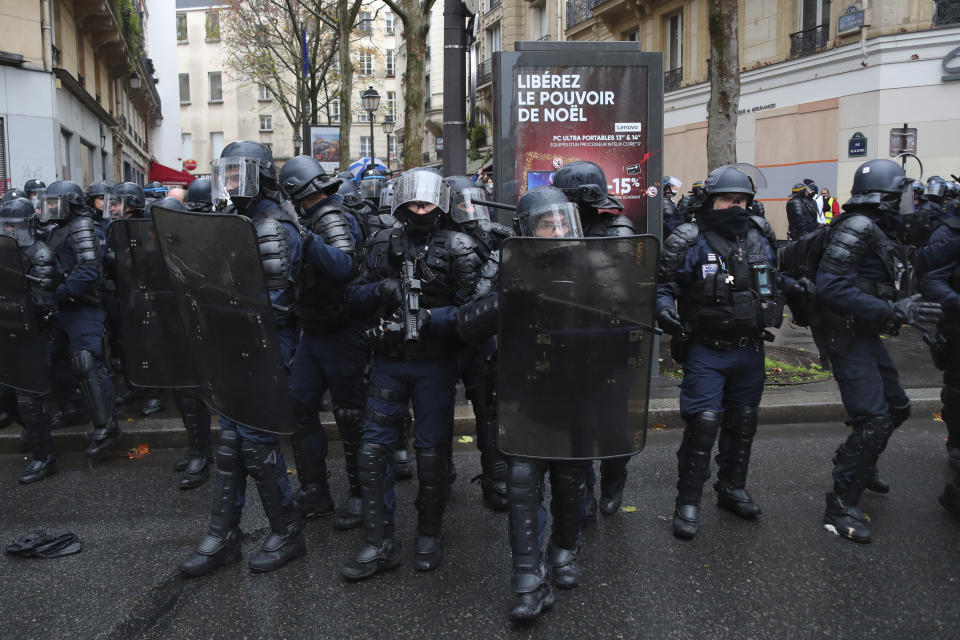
[[373, 156], [454, 92]]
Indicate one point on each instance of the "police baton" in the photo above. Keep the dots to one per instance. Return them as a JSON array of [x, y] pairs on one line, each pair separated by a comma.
[[495, 205]]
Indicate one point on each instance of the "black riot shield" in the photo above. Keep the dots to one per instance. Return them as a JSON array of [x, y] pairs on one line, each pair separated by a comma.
[[155, 349], [576, 346], [23, 347], [217, 278]]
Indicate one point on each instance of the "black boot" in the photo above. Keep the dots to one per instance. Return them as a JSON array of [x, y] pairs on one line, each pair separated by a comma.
[[529, 579], [694, 460], [493, 478], [568, 486], [380, 552], [93, 384], [613, 478], [196, 420], [127, 397], [877, 484], [847, 520], [950, 500], [285, 542], [432, 474], [103, 437], [402, 469], [221, 545], [309, 443], [350, 424], [36, 421], [155, 403], [733, 459], [70, 417]]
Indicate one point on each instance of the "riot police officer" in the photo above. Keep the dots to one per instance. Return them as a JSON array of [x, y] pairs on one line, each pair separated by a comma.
[[477, 361], [19, 221], [801, 212], [716, 294], [690, 204], [585, 184], [97, 198], [154, 190], [414, 278], [861, 285], [198, 196], [670, 213], [34, 189], [245, 182], [938, 265], [332, 352], [77, 242]]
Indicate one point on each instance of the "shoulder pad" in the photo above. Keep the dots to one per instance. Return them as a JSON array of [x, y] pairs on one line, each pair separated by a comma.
[[83, 238], [460, 244], [765, 229], [333, 227], [620, 226], [500, 230], [675, 250], [274, 253], [953, 222], [848, 242]]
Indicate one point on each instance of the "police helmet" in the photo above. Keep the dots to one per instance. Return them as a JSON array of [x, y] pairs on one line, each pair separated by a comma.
[[918, 188], [729, 179], [545, 212], [61, 199], [155, 190], [34, 187], [584, 182], [799, 189], [671, 183], [884, 184], [936, 188], [371, 185], [11, 194], [244, 171], [170, 203], [303, 176], [134, 196], [20, 208], [464, 193], [198, 195], [350, 193], [419, 185]]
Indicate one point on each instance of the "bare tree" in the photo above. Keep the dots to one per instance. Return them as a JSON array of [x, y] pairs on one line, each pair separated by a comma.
[[264, 39], [415, 16], [724, 84], [345, 18]]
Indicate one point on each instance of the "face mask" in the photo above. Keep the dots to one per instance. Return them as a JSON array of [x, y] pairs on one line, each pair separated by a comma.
[[424, 222]]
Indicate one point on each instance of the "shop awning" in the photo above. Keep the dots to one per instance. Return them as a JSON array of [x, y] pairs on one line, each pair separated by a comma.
[[168, 176]]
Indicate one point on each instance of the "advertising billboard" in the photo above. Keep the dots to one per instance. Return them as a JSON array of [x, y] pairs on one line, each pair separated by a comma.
[[325, 146]]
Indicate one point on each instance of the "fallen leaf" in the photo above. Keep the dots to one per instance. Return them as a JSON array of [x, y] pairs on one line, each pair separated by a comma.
[[465, 439], [140, 451], [628, 509], [937, 417], [659, 427]]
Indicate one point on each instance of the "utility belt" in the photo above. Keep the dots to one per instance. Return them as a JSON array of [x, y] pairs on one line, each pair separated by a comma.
[[725, 343], [881, 290], [422, 350]]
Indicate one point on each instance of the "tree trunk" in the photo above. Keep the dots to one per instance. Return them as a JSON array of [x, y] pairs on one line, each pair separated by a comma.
[[724, 84], [345, 27], [414, 115]]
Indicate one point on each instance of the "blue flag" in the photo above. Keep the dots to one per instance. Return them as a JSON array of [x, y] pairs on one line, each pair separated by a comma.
[[306, 56]]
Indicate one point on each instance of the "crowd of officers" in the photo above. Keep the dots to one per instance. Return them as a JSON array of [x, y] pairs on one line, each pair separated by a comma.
[[333, 251]]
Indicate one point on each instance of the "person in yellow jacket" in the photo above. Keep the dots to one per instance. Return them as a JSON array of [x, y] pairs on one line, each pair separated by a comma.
[[831, 206]]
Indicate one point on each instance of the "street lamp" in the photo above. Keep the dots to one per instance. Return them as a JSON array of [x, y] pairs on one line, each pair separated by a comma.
[[388, 129], [371, 100], [297, 141]]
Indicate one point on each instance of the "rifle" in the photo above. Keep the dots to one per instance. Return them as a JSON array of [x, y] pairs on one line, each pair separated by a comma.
[[411, 289]]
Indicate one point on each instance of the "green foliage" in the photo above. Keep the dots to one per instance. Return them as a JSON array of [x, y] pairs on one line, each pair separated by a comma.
[[477, 135], [131, 27]]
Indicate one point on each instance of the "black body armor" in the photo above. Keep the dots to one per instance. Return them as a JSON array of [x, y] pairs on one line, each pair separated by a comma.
[[319, 299], [606, 225], [80, 235]]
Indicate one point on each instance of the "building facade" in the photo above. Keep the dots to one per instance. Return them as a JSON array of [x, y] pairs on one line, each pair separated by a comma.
[[77, 92], [218, 106]]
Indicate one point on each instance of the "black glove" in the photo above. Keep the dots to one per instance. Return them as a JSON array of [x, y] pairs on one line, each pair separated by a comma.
[[801, 287], [423, 319], [669, 320], [914, 310], [391, 293]]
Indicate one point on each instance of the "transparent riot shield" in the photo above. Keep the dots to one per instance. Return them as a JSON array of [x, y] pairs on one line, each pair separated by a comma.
[[576, 346], [216, 275], [23, 347], [155, 348]]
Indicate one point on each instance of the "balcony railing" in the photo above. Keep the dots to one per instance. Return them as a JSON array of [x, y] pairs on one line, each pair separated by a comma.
[[484, 72], [578, 11], [809, 41], [946, 12], [672, 79]]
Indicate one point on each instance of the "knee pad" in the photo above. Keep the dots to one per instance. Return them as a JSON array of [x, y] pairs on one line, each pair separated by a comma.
[[523, 480], [372, 456], [741, 420], [257, 458], [701, 431], [82, 362], [349, 423], [32, 411], [876, 433], [228, 451], [432, 466]]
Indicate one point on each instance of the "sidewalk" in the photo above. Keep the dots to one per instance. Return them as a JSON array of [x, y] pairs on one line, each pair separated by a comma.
[[813, 402]]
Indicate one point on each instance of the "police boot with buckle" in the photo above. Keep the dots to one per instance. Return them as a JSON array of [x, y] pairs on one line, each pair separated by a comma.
[[199, 458], [380, 552], [285, 542], [309, 444], [432, 474], [221, 545], [847, 520], [693, 462], [737, 430], [564, 570], [36, 421], [533, 596], [153, 404], [102, 438]]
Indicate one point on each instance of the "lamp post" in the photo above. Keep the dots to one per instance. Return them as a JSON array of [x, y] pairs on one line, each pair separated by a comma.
[[297, 141], [371, 100], [388, 129]]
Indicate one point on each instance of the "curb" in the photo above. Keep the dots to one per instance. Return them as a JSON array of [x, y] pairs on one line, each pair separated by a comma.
[[168, 433]]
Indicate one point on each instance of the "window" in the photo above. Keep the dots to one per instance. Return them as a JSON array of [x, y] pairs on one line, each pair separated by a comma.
[[365, 65], [216, 144], [186, 146], [813, 13], [540, 29], [213, 26], [265, 95], [184, 88], [363, 116], [392, 105], [365, 25], [65, 138], [392, 147], [181, 27], [388, 29], [391, 67], [266, 123], [86, 162], [632, 36], [493, 40], [216, 87], [365, 146], [674, 48], [335, 111]]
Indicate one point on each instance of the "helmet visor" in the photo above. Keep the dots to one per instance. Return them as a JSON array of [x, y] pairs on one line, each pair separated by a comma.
[[421, 186], [673, 182], [371, 188], [54, 208], [20, 229], [386, 197], [935, 189], [551, 221], [906, 198], [464, 209], [235, 177], [117, 206]]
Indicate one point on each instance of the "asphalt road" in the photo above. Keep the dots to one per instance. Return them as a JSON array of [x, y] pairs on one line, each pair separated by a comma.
[[780, 577]]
